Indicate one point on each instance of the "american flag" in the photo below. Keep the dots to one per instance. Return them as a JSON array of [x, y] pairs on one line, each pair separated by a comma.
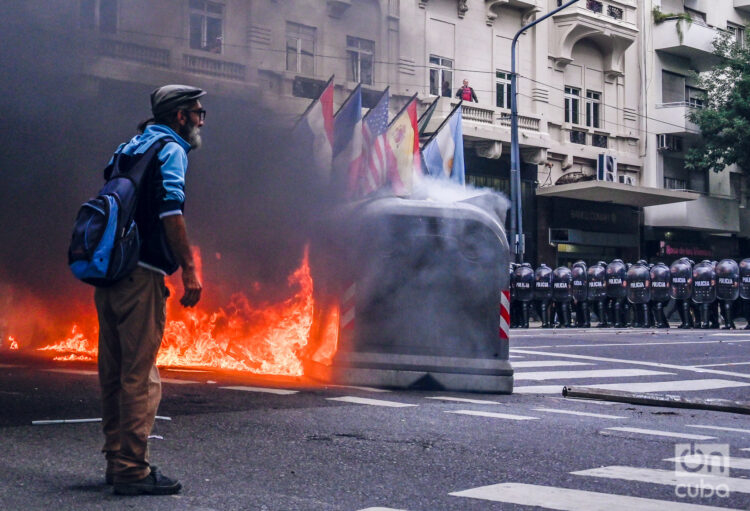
[[376, 153]]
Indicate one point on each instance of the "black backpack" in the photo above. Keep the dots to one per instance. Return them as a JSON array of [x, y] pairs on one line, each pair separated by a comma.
[[105, 246]]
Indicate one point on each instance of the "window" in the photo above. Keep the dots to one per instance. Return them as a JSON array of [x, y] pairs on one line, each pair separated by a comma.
[[738, 34], [206, 20], [614, 12], [595, 6], [441, 76], [361, 54], [699, 18], [300, 48], [99, 14], [694, 97], [578, 137], [502, 91], [593, 109], [572, 104], [672, 87], [735, 186], [599, 140]]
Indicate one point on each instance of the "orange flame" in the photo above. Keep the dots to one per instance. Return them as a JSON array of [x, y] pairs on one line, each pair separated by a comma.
[[260, 338], [12, 343]]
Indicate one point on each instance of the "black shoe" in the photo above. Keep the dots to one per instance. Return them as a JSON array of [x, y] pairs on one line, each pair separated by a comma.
[[153, 484], [109, 477]]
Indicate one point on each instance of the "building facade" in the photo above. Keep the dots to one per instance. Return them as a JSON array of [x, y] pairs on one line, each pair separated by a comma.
[[599, 83]]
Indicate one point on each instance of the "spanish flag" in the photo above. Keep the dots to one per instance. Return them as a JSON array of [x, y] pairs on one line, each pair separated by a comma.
[[403, 138]]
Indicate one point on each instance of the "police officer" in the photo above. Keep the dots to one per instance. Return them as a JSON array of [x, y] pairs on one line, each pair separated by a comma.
[[524, 279], [616, 291], [514, 313], [681, 288], [639, 292], [659, 293], [745, 290], [543, 293], [704, 290], [579, 291], [727, 288], [597, 295], [561, 279]]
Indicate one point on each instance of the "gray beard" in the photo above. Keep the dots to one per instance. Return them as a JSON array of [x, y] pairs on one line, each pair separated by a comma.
[[192, 135]]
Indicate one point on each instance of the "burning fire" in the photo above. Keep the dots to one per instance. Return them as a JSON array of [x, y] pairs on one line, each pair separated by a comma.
[[264, 339], [12, 343]]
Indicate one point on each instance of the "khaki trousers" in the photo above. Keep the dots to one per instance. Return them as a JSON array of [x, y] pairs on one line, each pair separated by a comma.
[[131, 314]]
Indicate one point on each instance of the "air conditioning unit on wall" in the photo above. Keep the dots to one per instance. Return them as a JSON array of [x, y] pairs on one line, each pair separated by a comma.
[[606, 168]]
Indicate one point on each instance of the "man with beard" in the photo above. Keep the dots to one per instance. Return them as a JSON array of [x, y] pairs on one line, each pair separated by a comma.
[[132, 312]]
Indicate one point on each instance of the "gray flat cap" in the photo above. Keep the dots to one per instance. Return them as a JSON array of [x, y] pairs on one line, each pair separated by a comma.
[[169, 97]]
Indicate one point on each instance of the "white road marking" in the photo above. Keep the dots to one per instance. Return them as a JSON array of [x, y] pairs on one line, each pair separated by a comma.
[[564, 499], [381, 509], [582, 414], [80, 421], [720, 428], [634, 362], [714, 461], [178, 382], [538, 389], [73, 371], [747, 449], [667, 477], [265, 390], [725, 364], [671, 386], [11, 366], [465, 400], [366, 401], [596, 373], [656, 432], [546, 363], [494, 415], [735, 334], [652, 343], [366, 389]]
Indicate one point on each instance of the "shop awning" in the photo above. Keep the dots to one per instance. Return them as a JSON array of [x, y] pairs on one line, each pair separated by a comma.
[[616, 193]]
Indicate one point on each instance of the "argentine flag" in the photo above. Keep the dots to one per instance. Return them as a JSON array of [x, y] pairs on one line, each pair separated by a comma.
[[444, 152]]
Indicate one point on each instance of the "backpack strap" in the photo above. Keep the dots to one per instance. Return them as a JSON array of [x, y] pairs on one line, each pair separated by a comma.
[[136, 171]]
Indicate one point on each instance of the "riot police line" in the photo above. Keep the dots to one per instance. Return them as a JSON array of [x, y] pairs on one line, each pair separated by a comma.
[[641, 295]]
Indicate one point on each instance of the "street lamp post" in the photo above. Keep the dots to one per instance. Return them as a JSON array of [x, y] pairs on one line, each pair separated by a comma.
[[516, 221]]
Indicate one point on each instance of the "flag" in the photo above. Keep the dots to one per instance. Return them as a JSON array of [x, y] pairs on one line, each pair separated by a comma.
[[444, 152], [313, 132], [403, 138], [424, 119], [377, 155], [347, 144]]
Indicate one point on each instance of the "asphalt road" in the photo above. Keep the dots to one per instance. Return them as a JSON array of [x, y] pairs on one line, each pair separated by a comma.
[[291, 445]]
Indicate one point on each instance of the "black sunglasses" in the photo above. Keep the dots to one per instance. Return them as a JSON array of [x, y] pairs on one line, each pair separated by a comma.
[[200, 111]]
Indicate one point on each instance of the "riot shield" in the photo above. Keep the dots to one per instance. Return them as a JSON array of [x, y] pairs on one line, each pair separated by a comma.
[[561, 280], [727, 280], [579, 288], [524, 282], [639, 284], [745, 279], [543, 283], [660, 283], [597, 281], [616, 279], [680, 280], [704, 282]]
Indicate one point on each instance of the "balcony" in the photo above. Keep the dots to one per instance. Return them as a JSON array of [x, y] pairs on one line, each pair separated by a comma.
[[707, 213], [132, 52], [695, 44], [213, 67], [672, 118], [742, 5]]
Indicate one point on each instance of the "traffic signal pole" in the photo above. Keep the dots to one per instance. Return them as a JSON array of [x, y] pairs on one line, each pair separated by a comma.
[[516, 209]]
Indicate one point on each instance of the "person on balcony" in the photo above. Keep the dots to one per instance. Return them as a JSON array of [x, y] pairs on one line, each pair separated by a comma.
[[466, 93]]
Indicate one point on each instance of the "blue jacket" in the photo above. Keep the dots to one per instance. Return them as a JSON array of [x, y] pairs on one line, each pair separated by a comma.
[[162, 193]]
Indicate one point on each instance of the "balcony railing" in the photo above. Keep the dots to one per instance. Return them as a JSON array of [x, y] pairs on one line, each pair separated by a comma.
[[524, 123], [672, 183], [213, 67], [134, 52], [476, 114]]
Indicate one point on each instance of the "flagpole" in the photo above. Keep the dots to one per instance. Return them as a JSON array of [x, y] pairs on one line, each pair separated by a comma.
[[311, 105], [434, 134], [403, 109], [376, 103]]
